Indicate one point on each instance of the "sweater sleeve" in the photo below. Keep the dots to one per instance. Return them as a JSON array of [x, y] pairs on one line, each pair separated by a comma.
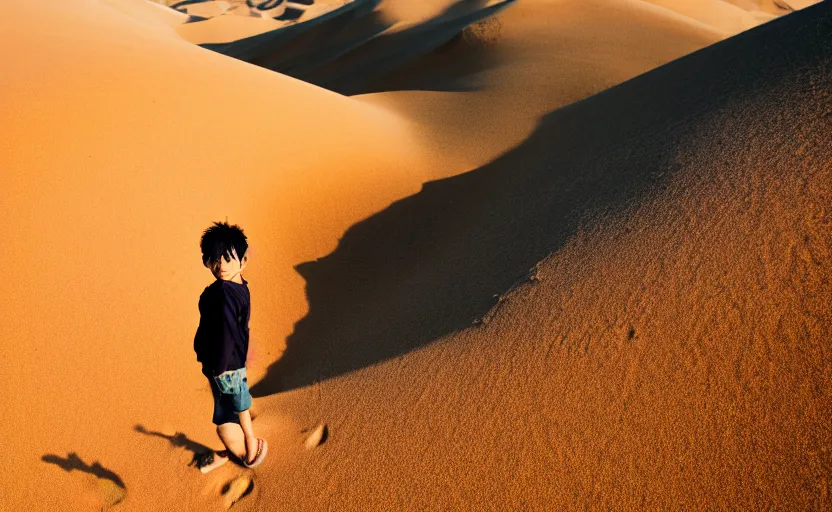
[[199, 336], [228, 319]]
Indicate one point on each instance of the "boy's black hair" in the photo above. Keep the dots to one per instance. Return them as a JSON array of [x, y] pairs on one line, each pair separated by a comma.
[[219, 240]]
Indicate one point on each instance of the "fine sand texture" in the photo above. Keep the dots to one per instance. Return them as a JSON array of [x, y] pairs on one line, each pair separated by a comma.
[[549, 256]]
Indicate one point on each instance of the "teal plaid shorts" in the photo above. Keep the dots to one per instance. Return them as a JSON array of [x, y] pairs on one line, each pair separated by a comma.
[[231, 396]]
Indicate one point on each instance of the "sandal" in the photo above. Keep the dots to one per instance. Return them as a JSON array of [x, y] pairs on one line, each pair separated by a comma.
[[262, 448]]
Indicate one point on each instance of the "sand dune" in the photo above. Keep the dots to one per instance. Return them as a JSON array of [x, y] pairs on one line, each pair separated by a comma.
[[371, 46], [538, 56], [123, 142], [476, 99], [671, 349], [342, 44], [721, 15]]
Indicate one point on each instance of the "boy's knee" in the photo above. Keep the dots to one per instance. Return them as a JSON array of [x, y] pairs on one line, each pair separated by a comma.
[[229, 428]]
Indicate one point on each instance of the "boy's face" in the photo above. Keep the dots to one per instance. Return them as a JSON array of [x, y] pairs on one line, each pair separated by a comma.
[[228, 270]]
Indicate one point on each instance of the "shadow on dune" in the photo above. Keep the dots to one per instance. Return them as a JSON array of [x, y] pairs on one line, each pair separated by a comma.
[[455, 66], [74, 462], [342, 50], [434, 263], [318, 33], [387, 52]]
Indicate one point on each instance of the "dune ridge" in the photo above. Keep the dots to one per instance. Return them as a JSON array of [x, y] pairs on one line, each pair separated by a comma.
[[342, 45]]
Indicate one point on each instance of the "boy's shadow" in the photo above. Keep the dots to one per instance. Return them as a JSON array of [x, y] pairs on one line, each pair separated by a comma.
[[73, 461], [178, 439]]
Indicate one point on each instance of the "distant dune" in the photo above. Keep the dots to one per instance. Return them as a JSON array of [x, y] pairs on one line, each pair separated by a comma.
[[508, 255], [341, 44], [484, 93]]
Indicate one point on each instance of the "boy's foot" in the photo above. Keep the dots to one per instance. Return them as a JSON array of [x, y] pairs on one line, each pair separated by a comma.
[[210, 461], [252, 445], [259, 455]]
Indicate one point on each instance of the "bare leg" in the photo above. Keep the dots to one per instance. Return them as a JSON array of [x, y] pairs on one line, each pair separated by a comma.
[[250, 438], [233, 438]]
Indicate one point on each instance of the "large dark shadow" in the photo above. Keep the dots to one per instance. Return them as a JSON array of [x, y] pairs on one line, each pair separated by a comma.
[[385, 53], [73, 462], [455, 66], [433, 263]]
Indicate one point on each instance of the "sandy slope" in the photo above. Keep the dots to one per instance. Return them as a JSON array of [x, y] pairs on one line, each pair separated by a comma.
[[672, 352], [123, 142]]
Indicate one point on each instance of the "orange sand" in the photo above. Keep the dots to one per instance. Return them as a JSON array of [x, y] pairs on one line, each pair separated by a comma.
[[614, 303]]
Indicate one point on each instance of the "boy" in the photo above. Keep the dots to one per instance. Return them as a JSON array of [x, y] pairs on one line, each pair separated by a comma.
[[221, 345]]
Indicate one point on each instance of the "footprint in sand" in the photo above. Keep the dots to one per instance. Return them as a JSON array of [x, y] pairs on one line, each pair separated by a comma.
[[111, 494], [100, 494], [237, 489], [316, 437]]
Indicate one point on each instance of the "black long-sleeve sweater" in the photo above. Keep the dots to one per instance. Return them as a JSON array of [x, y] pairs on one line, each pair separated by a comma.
[[221, 341]]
